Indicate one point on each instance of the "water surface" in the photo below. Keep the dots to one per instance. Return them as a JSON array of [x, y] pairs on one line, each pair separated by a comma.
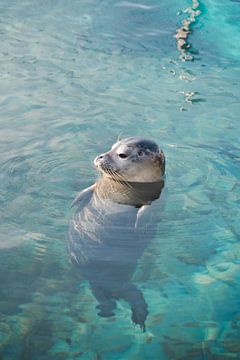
[[73, 78]]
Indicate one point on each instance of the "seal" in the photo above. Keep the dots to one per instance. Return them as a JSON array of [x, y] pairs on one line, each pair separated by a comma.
[[113, 223]]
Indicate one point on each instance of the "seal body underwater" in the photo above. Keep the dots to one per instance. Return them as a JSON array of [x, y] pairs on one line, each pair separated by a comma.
[[113, 224]]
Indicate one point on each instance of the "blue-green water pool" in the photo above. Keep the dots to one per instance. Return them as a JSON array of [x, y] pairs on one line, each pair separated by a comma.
[[74, 76]]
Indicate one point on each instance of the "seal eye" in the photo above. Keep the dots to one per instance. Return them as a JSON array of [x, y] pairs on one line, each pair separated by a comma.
[[122, 156], [141, 153]]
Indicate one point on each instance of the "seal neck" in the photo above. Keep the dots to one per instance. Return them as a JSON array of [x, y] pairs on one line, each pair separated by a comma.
[[129, 193]]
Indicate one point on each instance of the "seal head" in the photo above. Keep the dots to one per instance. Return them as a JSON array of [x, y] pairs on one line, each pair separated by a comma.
[[133, 159]]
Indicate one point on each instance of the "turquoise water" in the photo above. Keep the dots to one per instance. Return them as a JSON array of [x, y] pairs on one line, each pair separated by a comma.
[[74, 76]]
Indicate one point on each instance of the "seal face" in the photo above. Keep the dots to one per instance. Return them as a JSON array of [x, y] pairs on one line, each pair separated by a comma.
[[133, 159], [109, 231]]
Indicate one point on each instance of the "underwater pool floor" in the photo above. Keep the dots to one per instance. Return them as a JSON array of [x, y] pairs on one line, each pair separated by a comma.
[[74, 77]]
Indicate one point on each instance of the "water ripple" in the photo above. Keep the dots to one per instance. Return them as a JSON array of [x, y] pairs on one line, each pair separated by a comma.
[[74, 78]]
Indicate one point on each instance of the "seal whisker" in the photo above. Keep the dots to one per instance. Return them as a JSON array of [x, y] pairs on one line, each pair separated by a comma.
[[115, 176], [121, 178], [111, 172]]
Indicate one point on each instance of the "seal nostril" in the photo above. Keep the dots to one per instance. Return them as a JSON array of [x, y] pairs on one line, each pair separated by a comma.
[[100, 157]]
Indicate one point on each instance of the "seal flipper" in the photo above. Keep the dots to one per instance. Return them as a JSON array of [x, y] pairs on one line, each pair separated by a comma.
[[107, 303], [140, 212], [106, 308], [83, 197], [135, 298]]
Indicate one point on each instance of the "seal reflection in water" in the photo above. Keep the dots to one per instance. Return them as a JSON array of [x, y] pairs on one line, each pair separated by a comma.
[[114, 222]]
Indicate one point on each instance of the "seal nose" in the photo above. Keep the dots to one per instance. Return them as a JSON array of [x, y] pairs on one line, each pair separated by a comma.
[[99, 159]]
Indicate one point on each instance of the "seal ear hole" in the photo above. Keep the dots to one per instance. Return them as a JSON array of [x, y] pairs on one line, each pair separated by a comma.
[[122, 156], [140, 153]]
